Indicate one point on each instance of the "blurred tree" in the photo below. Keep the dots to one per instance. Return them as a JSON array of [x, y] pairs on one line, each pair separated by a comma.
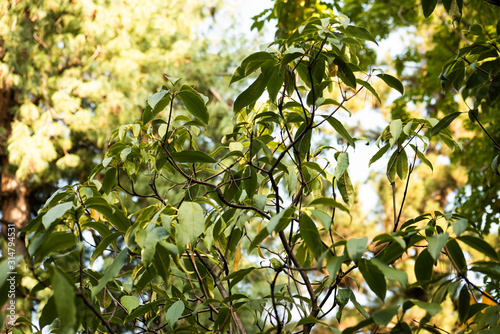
[[72, 70]]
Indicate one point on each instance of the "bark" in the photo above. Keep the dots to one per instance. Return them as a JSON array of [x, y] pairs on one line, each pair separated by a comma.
[[14, 193]]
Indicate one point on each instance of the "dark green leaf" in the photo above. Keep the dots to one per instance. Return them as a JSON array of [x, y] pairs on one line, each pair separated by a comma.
[[64, 298], [355, 248], [373, 277], [370, 88], [392, 82], [103, 245], [194, 103], [310, 234], [109, 180], [391, 273], [457, 256], [383, 317], [250, 65], [110, 272], [345, 73], [424, 266], [428, 7], [463, 304], [252, 93], [379, 154], [442, 124], [188, 156], [402, 165], [341, 130], [480, 245], [115, 216], [328, 201], [360, 32]]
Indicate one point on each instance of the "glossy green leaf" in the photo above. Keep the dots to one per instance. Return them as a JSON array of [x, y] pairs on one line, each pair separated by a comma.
[[115, 216], [390, 272], [337, 126], [110, 272], [55, 212], [330, 202], [457, 256], [379, 154], [155, 98], [392, 82], [250, 65], [443, 124], [480, 245], [64, 298], [402, 165], [436, 244], [251, 94], [383, 317], [463, 304], [355, 248], [188, 156], [103, 245], [373, 277], [309, 232], [360, 32], [424, 266], [428, 7], [194, 103]]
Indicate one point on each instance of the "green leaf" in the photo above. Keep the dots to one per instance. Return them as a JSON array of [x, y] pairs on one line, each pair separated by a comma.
[[345, 73], [383, 317], [392, 82], [64, 298], [428, 7], [463, 304], [109, 180], [280, 221], [373, 277], [436, 244], [379, 154], [251, 94], [328, 201], [342, 164], [130, 303], [250, 65], [333, 265], [442, 124], [103, 245], [480, 245], [114, 215], [191, 224], [343, 296], [422, 157], [55, 212], [55, 242], [391, 273], [402, 165], [395, 127], [355, 248], [370, 88], [456, 254], [174, 312], [110, 272], [341, 130], [360, 32], [346, 189], [304, 143], [459, 226], [431, 308], [424, 266], [194, 103], [155, 98], [188, 156], [309, 232]]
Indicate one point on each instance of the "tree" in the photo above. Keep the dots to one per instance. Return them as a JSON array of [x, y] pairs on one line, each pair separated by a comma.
[[176, 264]]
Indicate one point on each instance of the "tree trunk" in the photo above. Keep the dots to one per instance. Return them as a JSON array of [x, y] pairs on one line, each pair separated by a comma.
[[14, 193]]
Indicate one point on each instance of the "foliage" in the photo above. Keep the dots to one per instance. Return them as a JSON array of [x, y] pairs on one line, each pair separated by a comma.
[[269, 192]]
